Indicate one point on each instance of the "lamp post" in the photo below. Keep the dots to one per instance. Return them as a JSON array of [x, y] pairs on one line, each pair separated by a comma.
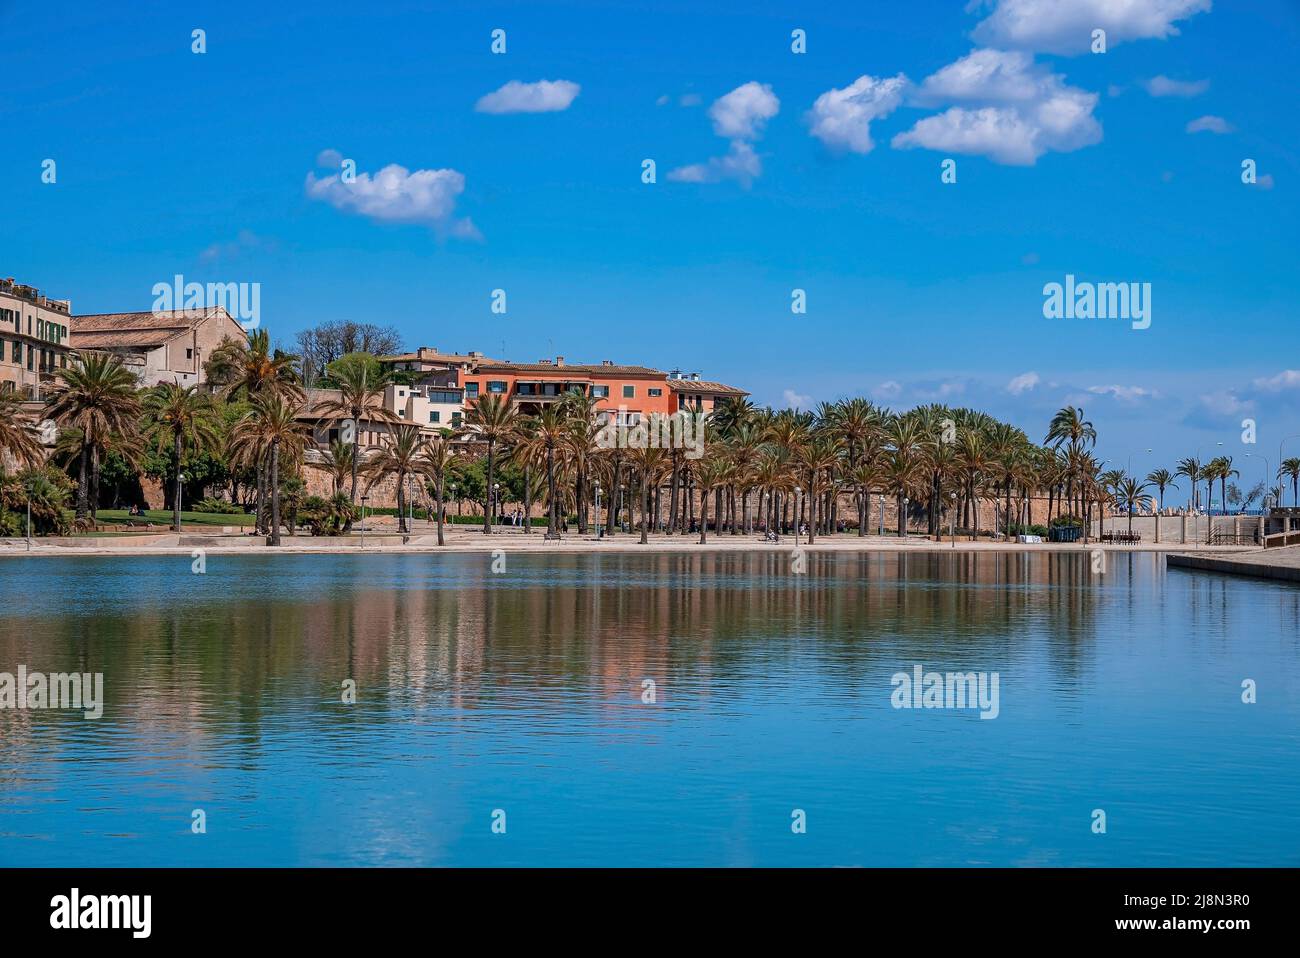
[[496, 502], [882, 514], [902, 520], [1267, 473], [952, 522], [599, 531], [453, 495], [29, 516], [364, 500], [798, 511]]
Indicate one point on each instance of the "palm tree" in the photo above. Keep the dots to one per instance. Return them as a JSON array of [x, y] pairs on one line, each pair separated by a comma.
[[1131, 494], [249, 367], [401, 454], [1162, 479], [272, 424], [1220, 468], [711, 472], [1068, 426], [818, 456], [96, 396], [18, 435], [492, 420], [437, 460], [650, 464], [1290, 469], [541, 438], [338, 460], [360, 397], [1194, 471], [184, 419]]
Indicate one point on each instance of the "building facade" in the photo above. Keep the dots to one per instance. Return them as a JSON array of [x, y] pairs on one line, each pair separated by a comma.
[[627, 392], [159, 347], [34, 339]]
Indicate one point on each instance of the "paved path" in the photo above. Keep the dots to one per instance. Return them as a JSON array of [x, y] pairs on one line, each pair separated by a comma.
[[1281, 564]]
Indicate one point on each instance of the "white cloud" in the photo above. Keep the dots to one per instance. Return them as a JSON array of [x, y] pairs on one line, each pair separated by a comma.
[[888, 390], [1065, 26], [244, 241], [691, 99], [739, 115], [1286, 379], [1209, 124], [1123, 393], [1163, 86], [796, 400], [544, 96], [398, 195], [1023, 382], [1018, 110], [740, 163], [663, 100], [329, 159], [742, 113], [841, 118]]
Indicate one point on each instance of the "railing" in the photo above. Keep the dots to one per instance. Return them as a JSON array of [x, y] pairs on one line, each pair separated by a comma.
[[1234, 539], [1282, 539]]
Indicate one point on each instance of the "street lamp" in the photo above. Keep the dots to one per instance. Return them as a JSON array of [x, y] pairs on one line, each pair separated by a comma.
[[798, 511], [364, 500], [599, 531], [882, 514], [902, 520], [496, 503], [180, 489], [952, 522], [453, 495]]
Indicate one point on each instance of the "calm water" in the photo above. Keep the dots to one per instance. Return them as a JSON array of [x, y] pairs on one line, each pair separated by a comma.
[[522, 691]]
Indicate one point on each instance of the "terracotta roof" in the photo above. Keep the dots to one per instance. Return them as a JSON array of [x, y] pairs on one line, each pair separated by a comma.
[[699, 386], [142, 329], [429, 357], [144, 339], [577, 369]]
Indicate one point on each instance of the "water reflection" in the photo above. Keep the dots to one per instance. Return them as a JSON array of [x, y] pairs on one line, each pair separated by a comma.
[[526, 687]]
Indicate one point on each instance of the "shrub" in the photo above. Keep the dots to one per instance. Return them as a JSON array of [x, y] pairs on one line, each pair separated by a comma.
[[219, 506]]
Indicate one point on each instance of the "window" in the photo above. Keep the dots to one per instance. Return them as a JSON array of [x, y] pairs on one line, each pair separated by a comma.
[[600, 392], [401, 414], [455, 419], [189, 354], [629, 392], [435, 416], [18, 352], [496, 386], [471, 390], [656, 392]]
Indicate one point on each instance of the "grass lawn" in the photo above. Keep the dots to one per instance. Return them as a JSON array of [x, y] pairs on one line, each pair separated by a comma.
[[163, 517]]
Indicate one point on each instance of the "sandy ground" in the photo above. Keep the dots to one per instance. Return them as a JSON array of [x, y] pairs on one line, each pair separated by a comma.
[[471, 539]]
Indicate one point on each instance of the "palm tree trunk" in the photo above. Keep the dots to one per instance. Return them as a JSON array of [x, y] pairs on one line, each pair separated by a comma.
[[704, 518], [275, 492], [83, 478], [487, 513], [812, 506], [438, 486], [645, 506], [176, 492]]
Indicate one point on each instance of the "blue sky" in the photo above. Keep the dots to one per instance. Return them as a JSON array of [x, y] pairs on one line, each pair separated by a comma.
[[826, 177]]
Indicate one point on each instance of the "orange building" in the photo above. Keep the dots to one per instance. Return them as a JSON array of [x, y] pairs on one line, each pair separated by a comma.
[[638, 390]]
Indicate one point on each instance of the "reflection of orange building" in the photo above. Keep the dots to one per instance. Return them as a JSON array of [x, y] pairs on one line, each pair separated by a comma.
[[531, 386]]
